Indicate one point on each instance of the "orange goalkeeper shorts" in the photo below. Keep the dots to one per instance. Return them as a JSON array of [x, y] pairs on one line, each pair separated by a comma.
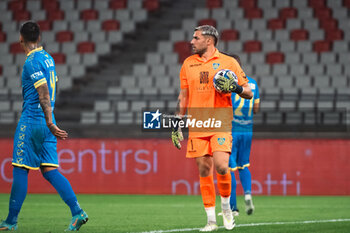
[[200, 146]]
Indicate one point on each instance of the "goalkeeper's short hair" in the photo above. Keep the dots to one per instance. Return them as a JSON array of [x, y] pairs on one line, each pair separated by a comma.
[[209, 30]]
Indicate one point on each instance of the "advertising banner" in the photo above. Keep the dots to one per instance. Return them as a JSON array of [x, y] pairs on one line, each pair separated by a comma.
[[155, 166]]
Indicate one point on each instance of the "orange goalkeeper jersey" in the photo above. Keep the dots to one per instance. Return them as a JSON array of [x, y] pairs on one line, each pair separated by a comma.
[[197, 75]]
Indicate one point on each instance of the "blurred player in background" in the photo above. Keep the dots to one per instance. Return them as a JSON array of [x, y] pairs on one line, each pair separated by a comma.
[[209, 149], [35, 143], [242, 133]]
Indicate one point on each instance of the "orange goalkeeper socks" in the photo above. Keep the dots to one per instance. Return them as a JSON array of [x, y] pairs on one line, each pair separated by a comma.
[[208, 191], [224, 184]]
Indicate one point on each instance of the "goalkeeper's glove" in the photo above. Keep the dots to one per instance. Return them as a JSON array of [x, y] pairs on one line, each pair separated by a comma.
[[229, 85], [176, 133]]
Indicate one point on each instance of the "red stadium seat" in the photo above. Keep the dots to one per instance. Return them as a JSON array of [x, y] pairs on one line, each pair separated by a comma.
[[299, 34], [50, 5], [275, 58], [55, 15], [21, 15], [45, 25], [183, 49], [15, 47], [2, 36], [211, 22], [346, 3], [328, 24], [111, 25], [229, 34], [275, 24], [151, 5], [16, 6], [117, 4], [247, 4], [59, 58], [317, 3], [288, 12], [89, 14], [323, 13], [214, 4], [253, 13], [86, 47], [321, 46], [64, 36], [335, 34], [252, 46]]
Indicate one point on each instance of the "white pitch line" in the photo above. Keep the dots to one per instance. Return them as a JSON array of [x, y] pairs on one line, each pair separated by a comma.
[[253, 224]]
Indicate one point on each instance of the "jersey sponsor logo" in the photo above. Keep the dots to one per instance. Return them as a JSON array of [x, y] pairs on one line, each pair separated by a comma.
[[36, 75], [204, 77], [221, 141], [216, 65], [194, 65]]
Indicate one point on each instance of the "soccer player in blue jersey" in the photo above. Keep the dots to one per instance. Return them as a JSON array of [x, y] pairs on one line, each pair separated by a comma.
[[242, 133], [35, 143]]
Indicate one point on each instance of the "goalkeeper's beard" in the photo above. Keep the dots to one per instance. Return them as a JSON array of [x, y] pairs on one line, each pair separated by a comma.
[[199, 52]]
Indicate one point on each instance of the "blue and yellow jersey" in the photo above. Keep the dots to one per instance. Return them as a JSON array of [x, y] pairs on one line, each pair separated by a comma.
[[39, 68], [243, 108]]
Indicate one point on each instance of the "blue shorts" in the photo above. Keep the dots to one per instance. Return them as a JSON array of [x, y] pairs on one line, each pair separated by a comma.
[[241, 144], [34, 146]]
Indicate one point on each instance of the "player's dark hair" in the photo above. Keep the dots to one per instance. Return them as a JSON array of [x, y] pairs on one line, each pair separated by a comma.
[[30, 31]]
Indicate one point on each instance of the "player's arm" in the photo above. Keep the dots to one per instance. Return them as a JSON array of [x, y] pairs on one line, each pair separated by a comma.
[[181, 108], [256, 106], [45, 103], [182, 102], [246, 91]]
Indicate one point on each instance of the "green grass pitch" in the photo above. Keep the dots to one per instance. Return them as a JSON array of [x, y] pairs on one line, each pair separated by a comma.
[[166, 213]]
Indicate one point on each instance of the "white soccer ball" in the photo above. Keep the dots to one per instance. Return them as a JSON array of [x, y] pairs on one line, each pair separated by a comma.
[[226, 73]]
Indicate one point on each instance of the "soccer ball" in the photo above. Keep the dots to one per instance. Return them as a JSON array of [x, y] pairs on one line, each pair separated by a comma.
[[226, 73]]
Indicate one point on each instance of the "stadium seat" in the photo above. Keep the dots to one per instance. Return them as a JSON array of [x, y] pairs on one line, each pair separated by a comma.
[[321, 46], [274, 57], [323, 13], [2, 36], [252, 46], [183, 49], [16, 5], [275, 24], [214, 4], [229, 34], [45, 25], [86, 47], [16, 48], [117, 4], [336, 34], [299, 34], [21, 15], [151, 5], [55, 15], [50, 5], [64, 36], [288, 13], [253, 13], [211, 22], [110, 25], [317, 3], [248, 4], [329, 24], [89, 14], [59, 58]]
